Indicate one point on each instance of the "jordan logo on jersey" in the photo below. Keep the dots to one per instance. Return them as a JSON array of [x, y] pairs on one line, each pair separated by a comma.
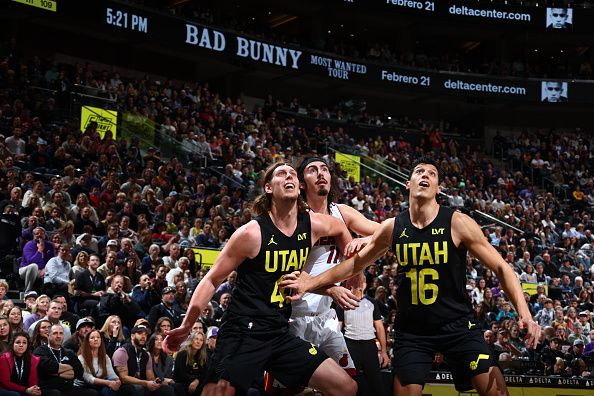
[[403, 234], [271, 241]]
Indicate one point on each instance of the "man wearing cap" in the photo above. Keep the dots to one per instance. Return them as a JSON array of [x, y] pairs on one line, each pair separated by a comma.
[[546, 315], [134, 365], [211, 339], [83, 327], [166, 308], [29, 299], [576, 351], [584, 318]]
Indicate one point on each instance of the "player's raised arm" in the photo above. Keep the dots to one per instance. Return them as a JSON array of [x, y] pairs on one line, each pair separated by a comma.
[[466, 231], [379, 244], [244, 243], [360, 225], [325, 225]]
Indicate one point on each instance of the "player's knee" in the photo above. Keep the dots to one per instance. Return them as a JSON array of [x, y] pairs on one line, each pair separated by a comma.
[[221, 388], [350, 387]]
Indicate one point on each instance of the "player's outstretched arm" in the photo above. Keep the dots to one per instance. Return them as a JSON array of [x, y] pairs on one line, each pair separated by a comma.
[[356, 222], [467, 232], [379, 244], [244, 243]]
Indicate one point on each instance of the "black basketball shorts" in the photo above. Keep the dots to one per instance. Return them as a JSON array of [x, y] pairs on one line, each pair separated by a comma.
[[242, 355], [462, 344]]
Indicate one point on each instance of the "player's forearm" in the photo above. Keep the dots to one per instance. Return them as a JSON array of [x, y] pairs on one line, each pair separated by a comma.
[[512, 288], [343, 271], [200, 298]]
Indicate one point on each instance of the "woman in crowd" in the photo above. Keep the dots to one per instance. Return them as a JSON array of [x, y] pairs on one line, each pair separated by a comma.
[[57, 241], [40, 333], [162, 362], [18, 367], [4, 333], [194, 266], [481, 316], [190, 363], [15, 318], [489, 304], [81, 263], [38, 310], [112, 333], [5, 307], [479, 291], [132, 270], [99, 373], [67, 233], [571, 319], [529, 276], [181, 295], [163, 324]]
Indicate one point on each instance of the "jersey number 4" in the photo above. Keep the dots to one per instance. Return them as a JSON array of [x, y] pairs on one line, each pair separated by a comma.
[[278, 295], [421, 289]]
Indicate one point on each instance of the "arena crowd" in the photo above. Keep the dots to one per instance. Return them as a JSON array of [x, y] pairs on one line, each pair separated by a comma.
[[99, 232]]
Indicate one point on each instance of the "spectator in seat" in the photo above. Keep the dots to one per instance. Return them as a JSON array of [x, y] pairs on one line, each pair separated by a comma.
[[98, 370], [36, 254], [60, 367], [207, 238], [191, 363], [57, 272], [116, 302], [135, 368], [89, 287], [20, 361], [166, 308]]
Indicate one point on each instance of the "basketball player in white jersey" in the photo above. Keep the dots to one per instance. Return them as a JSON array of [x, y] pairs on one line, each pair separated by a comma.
[[312, 319]]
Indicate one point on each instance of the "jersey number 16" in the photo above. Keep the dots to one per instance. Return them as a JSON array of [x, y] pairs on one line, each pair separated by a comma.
[[421, 290]]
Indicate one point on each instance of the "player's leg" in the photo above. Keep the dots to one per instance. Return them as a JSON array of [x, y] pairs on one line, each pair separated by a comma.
[[490, 383], [332, 342], [413, 355], [406, 390], [220, 388], [332, 380], [470, 359], [296, 362]]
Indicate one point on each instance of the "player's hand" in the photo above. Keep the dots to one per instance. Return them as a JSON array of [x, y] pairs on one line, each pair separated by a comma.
[[343, 297], [355, 245], [356, 284], [385, 360], [533, 332], [298, 282], [174, 338]]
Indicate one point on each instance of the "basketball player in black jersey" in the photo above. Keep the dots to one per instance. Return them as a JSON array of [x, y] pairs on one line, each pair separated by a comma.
[[433, 313], [255, 335]]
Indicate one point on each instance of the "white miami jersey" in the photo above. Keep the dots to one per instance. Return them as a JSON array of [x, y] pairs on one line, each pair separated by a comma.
[[323, 256]]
